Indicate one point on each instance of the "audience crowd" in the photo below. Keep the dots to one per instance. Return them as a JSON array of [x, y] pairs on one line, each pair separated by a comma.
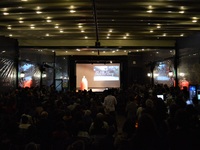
[[44, 119]]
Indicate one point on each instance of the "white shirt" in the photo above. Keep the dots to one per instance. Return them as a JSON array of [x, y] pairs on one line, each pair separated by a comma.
[[109, 103]]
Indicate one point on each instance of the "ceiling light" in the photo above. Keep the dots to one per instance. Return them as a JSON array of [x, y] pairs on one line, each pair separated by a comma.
[[86, 37], [47, 34], [21, 21], [124, 51], [194, 18], [151, 31], [38, 12], [127, 34], [48, 17], [92, 51], [110, 30], [38, 8], [9, 27], [104, 51], [56, 27], [80, 26], [72, 11], [182, 35], [164, 34], [71, 7], [124, 37], [150, 7], [32, 27], [61, 31], [48, 20], [5, 9], [182, 7], [149, 11], [82, 31], [194, 21], [158, 26], [10, 35], [182, 12], [113, 51], [24, 0], [108, 34], [5, 13], [107, 37], [78, 49]]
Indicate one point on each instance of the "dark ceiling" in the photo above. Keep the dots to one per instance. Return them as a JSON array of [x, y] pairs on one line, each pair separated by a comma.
[[120, 26]]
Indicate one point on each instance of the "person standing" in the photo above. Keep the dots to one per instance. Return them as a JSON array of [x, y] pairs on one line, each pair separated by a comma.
[[109, 105]]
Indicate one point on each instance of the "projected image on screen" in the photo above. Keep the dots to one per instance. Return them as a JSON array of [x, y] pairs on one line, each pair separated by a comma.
[[106, 73], [97, 76]]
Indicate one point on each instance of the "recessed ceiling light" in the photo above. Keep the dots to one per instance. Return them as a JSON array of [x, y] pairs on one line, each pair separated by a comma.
[[5, 9], [9, 27], [151, 31], [108, 34], [149, 11], [47, 34], [72, 11], [48, 21], [104, 51], [182, 12], [149, 6], [86, 37], [181, 34], [107, 37], [21, 21], [124, 51], [38, 12], [110, 30], [56, 27], [78, 49], [92, 51], [5, 13], [82, 31], [24, 0], [164, 34], [182, 7], [71, 7], [194, 21], [10, 35], [124, 37], [127, 34], [158, 26], [80, 26], [32, 27], [66, 51], [61, 31], [38, 7]]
